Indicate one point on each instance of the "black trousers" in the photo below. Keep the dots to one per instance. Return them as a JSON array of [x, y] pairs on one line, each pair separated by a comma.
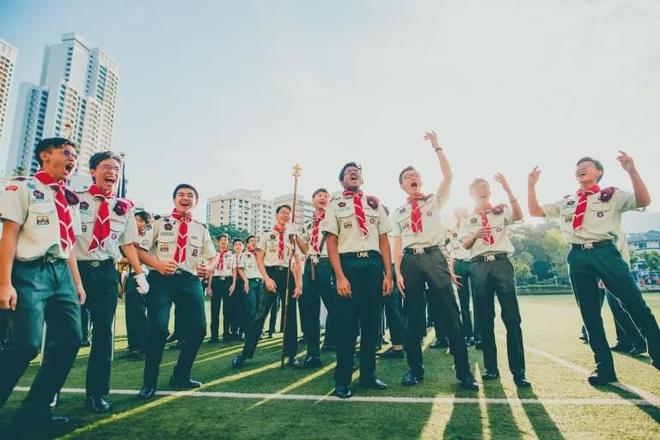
[[393, 308], [137, 323], [220, 288], [432, 269], [496, 278], [318, 285], [360, 311], [470, 321], [627, 333], [279, 275], [101, 281], [586, 267]]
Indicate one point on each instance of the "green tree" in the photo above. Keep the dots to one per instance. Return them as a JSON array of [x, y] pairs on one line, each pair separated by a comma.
[[652, 260], [230, 230]]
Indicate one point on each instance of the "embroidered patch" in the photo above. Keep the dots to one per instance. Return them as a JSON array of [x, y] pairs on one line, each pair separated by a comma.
[[341, 204], [168, 226], [568, 219], [145, 242], [402, 210], [84, 206], [113, 236], [164, 248], [348, 225], [499, 229], [84, 228], [31, 185], [11, 188], [195, 252], [570, 203], [43, 220], [38, 194], [473, 220], [272, 236]]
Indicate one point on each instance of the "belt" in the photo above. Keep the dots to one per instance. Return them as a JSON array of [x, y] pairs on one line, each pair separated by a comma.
[[489, 258], [221, 277], [363, 254], [255, 279], [183, 272], [592, 245], [45, 259], [279, 268], [421, 251], [314, 259], [95, 264]]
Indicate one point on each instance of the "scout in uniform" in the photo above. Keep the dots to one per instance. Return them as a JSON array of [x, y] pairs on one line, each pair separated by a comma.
[[38, 273], [318, 284], [237, 292], [249, 272], [419, 260], [492, 272], [463, 270], [137, 324], [274, 250], [356, 228], [180, 251], [591, 222], [108, 230], [223, 279]]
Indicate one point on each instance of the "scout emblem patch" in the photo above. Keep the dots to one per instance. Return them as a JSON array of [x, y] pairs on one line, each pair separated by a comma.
[[38, 194], [43, 220]]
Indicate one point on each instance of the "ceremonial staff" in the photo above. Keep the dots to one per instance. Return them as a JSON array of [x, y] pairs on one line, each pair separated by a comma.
[[285, 308]]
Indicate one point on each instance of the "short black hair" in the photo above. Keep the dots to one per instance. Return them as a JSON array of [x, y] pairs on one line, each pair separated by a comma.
[[250, 237], [48, 143], [99, 157], [144, 215], [477, 181], [597, 164], [343, 169], [181, 186], [223, 235], [318, 191], [279, 208], [408, 168], [236, 240]]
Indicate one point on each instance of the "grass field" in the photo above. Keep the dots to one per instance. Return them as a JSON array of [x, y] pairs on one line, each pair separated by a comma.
[[262, 401]]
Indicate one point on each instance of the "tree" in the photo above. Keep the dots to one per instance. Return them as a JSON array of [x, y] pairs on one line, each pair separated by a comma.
[[232, 231], [652, 260]]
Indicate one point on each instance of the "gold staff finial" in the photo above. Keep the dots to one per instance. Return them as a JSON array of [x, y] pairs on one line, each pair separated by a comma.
[[296, 170]]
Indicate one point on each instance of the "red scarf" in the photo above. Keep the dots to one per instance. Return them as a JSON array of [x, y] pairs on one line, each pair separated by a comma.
[[488, 239], [359, 210], [253, 252], [67, 235], [182, 238], [280, 241], [316, 221], [102, 223], [416, 213], [581, 207], [221, 260]]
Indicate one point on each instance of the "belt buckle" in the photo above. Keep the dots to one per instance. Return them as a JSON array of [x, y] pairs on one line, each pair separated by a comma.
[[314, 259], [178, 271], [95, 264], [51, 259], [363, 254], [489, 258], [418, 251], [588, 246]]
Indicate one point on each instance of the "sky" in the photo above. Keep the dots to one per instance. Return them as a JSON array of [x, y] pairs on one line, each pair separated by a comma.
[[226, 94]]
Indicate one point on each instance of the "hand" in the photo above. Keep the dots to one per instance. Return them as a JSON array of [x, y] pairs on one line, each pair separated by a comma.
[[246, 287], [201, 270], [209, 292], [627, 162], [433, 137], [270, 285], [166, 267], [343, 287], [387, 285], [82, 296], [456, 280], [400, 283], [297, 291], [8, 297], [142, 283], [499, 178], [533, 177], [483, 232], [232, 288]]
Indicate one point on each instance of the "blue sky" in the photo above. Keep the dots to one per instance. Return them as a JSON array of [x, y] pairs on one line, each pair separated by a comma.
[[231, 94]]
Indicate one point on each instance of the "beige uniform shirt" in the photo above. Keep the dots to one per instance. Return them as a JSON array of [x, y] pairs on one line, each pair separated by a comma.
[[340, 220], [602, 220], [306, 236], [199, 250], [248, 262], [123, 230], [229, 264], [268, 243], [456, 237], [31, 204], [433, 230], [498, 224]]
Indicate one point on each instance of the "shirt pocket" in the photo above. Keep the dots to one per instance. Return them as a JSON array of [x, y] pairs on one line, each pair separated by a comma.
[[165, 246], [42, 214], [346, 219]]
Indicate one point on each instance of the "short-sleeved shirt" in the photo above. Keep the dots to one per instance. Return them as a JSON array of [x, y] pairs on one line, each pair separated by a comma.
[[123, 230], [306, 236], [433, 230], [601, 221], [268, 243], [229, 263], [31, 204], [162, 246], [340, 220], [498, 223], [456, 236], [248, 262]]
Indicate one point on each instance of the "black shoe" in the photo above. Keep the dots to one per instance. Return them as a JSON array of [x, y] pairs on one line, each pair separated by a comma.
[[491, 375], [238, 361], [374, 383], [638, 350], [186, 383], [409, 379], [440, 343], [391, 353], [342, 391], [311, 362], [622, 348], [97, 404], [146, 393], [522, 382], [596, 378], [468, 383], [294, 363]]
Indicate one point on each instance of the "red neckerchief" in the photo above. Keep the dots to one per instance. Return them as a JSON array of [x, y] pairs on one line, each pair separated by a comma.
[[488, 239], [67, 235], [416, 213], [359, 210], [581, 206], [102, 223], [182, 238], [280, 241], [316, 221]]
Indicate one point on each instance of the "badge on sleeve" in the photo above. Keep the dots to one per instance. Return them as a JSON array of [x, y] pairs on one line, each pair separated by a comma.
[[168, 226], [84, 206], [195, 252], [341, 204], [38, 194], [11, 188]]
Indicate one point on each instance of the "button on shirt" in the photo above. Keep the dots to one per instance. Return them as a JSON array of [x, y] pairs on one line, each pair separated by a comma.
[[31, 204], [498, 227], [123, 230], [340, 220], [248, 262], [433, 231]]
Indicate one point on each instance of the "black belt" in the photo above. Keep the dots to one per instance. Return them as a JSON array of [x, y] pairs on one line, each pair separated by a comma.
[[592, 245], [318, 259], [255, 279], [421, 251], [183, 272], [45, 259], [95, 264], [222, 277], [489, 258], [363, 254], [280, 268]]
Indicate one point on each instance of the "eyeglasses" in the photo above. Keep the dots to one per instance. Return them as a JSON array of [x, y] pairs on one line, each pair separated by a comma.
[[69, 154], [109, 168]]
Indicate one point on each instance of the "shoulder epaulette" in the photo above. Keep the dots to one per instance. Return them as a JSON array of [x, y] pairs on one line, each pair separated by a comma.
[[607, 193], [373, 202]]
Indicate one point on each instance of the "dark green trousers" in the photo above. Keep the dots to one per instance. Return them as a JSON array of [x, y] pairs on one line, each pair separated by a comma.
[[46, 294], [220, 288], [491, 279], [137, 323], [432, 269], [463, 269], [185, 291], [100, 282], [319, 288], [586, 267], [360, 311]]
